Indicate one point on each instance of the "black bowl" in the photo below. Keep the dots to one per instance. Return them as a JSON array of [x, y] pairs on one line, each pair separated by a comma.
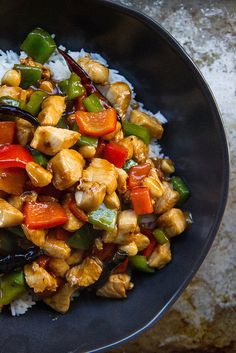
[[164, 78]]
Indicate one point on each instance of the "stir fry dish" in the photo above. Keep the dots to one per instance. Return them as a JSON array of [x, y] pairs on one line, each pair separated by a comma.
[[82, 205]]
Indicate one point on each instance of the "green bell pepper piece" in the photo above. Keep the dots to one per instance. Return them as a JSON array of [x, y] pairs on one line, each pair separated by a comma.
[[34, 104], [180, 186], [103, 218], [88, 141], [75, 88], [39, 45], [137, 130], [63, 85], [62, 124], [11, 286], [92, 103], [11, 101], [139, 262], [83, 238], [16, 231], [128, 164], [30, 75], [8, 241], [160, 236]]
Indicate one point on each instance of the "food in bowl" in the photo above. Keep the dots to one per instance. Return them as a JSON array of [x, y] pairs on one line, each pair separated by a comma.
[[83, 202]]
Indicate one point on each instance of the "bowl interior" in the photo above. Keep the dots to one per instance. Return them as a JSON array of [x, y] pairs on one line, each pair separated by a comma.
[[164, 79]]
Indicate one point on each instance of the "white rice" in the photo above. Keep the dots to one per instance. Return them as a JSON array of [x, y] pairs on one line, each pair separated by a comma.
[[60, 71]]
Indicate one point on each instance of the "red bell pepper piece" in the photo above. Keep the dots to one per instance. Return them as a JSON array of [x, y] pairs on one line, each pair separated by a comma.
[[14, 156], [41, 215], [7, 131], [122, 267], [141, 200], [115, 154], [12, 180], [77, 212], [149, 249], [137, 173], [96, 123]]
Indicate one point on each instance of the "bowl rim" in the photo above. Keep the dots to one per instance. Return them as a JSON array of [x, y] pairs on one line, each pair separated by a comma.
[[165, 34]]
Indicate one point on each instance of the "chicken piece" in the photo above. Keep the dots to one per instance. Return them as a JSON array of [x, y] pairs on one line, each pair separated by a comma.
[[116, 286], [27, 196], [127, 143], [46, 86], [58, 266], [13, 92], [75, 258], [160, 256], [167, 166], [36, 236], [90, 195], [52, 109], [66, 167], [62, 299], [102, 172], [9, 215], [87, 151], [169, 198], [127, 221], [119, 95], [141, 240], [131, 248], [24, 131], [151, 123], [39, 279], [97, 72], [85, 274], [56, 248], [112, 201], [173, 221], [39, 176], [73, 222], [111, 135], [140, 150], [154, 185], [121, 180], [51, 140]]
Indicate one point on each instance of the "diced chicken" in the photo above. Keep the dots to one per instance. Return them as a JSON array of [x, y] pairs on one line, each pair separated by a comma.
[[13, 92], [173, 221], [102, 172], [96, 71], [160, 256], [56, 248], [61, 300], [39, 176], [140, 149], [9, 215], [52, 109], [128, 144], [66, 167], [27, 196], [112, 201], [24, 131], [154, 185], [51, 140], [90, 195], [116, 286], [151, 123], [127, 221], [87, 151], [169, 198], [119, 94], [58, 266], [73, 222], [131, 248], [46, 86], [140, 240], [39, 279], [36, 236], [111, 136], [85, 274], [121, 180], [167, 166], [75, 258]]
